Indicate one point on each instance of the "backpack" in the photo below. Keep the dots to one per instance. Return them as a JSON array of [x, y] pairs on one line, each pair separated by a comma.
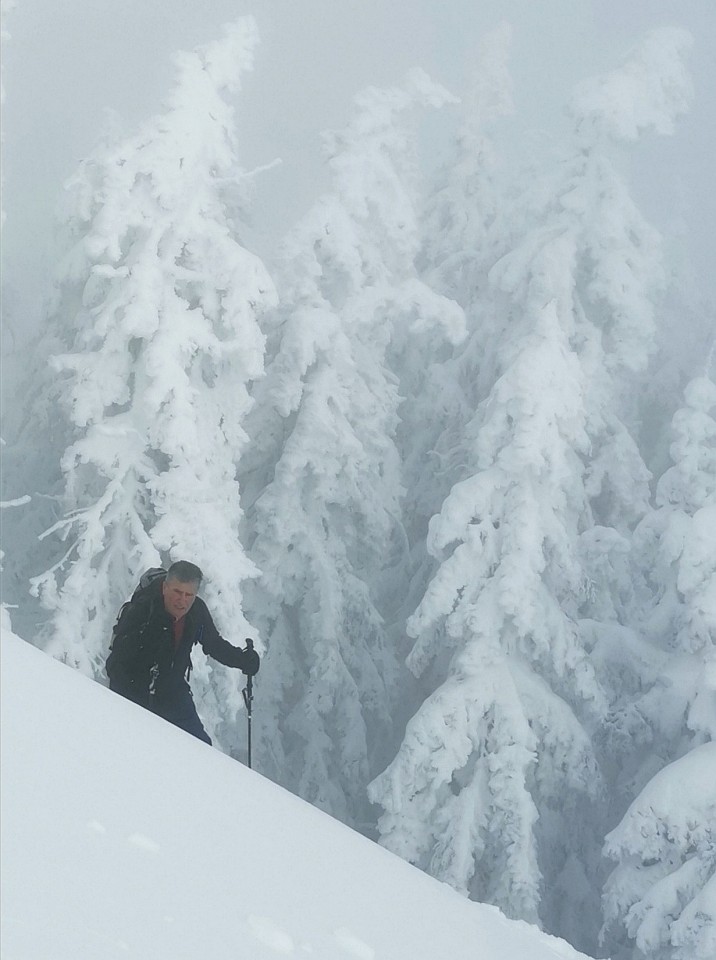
[[149, 577], [140, 594], [146, 580]]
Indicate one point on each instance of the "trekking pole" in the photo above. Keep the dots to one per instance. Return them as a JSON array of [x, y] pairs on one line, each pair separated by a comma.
[[248, 698]]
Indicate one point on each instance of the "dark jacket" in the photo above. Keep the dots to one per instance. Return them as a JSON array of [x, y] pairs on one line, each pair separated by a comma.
[[143, 664]]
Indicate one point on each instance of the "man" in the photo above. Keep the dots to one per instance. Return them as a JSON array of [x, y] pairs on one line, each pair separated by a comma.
[[150, 657]]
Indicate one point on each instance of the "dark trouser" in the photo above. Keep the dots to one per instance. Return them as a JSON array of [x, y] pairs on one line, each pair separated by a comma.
[[177, 706]]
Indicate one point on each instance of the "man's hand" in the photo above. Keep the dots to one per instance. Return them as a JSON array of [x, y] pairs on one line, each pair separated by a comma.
[[250, 663]]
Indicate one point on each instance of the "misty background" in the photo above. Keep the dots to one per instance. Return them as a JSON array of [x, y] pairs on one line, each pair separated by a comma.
[[477, 413], [66, 65]]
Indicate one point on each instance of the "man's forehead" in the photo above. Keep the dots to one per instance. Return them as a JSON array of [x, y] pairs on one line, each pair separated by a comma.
[[183, 584]]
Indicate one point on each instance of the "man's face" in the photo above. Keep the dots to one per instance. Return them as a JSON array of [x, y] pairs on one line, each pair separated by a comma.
[[178, 597]]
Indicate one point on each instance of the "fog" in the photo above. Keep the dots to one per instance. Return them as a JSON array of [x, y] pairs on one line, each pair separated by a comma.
[[66, 64]]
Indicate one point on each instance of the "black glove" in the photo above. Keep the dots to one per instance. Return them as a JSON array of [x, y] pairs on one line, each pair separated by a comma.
[[250, 663]]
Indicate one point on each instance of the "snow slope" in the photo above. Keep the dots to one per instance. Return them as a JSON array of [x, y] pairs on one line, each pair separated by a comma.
[[124, 837]]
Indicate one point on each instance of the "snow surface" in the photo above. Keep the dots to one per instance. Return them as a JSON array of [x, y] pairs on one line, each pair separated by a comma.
[[124, 837]]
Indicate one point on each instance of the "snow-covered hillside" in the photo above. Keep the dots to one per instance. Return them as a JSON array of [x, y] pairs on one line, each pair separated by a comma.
[[124, 837]]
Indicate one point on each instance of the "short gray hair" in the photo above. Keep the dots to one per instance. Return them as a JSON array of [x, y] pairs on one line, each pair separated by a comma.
[[185, 572]]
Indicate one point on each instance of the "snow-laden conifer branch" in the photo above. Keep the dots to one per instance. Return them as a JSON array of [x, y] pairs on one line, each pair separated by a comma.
[[326, 516], [159, 318]]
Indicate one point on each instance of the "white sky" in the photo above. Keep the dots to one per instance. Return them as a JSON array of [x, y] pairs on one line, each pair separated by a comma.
[[65, 63]]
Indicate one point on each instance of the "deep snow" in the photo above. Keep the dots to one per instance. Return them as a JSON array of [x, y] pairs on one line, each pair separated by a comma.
[[124, 837]]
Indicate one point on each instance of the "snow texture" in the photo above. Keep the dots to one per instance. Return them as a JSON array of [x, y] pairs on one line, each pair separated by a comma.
[[413, 460], [124, 837]]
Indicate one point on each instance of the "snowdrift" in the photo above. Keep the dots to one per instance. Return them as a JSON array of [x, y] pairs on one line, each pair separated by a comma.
[[122, 837]]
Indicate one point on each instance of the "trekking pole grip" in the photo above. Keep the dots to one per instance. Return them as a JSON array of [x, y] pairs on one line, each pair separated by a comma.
[[249, 688], [249, 680]]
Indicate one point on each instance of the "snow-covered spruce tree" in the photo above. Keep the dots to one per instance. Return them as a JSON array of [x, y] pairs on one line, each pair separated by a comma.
[[324, 486], [38, 432], [684, 336], [7, 337], [160, 304], [622, 269], [498, 744], [619, 284], [37, 421], [620, 280], [462, 236], [657, 900], [461, 232], [493, 787], [5, 623]]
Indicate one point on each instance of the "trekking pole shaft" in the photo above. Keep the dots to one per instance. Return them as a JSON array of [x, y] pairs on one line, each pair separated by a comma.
[[248, 699]]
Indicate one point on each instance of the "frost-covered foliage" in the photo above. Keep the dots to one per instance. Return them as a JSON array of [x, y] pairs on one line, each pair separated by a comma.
[[648, 92], [5, 625], [677, 361], [447, 537], [663, 893], [466, 204], [464, 230], [676, 540], [326, 520], [499, 737], [621, 258], [658, 895], [673, 547], [488, 790], [620, 285], [158, 313]]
